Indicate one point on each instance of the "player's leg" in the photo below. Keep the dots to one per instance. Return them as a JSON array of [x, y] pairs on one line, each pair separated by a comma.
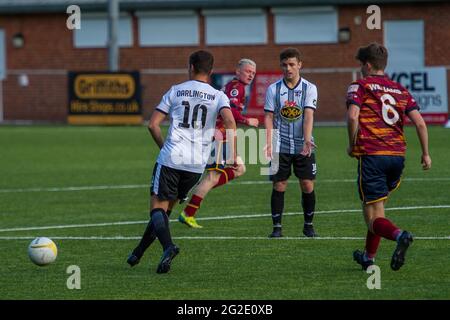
[[305, 170], [206, 183], [378, 175], [384, 227], [160, 223], [186, 181], [308, 203], [199, 193], [163, 193], [218, 175], [372, 192], [371, 211], [279, 181], [149, 233], [227, 173], [209, 180], [147, 239], [157, 227]]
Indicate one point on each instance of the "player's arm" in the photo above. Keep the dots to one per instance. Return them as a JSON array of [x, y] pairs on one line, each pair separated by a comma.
[[242, 119], [308, 121], [352, 126], [422, 133], [154, 126], [237, 96], [269, 108], [230, 126], [354, 101], [268, 123]]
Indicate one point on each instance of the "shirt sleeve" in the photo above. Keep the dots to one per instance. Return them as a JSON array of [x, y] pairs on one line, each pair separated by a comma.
[[165, 104], [355, 94], [311, 98], [411, 104], [238, 115], [269, 106], [224, 102]]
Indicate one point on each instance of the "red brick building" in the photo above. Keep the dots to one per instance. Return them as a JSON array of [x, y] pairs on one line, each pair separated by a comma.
[[37, 49]]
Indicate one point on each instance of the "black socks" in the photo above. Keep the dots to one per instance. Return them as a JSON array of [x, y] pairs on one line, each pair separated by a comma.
[[160, 223], [277, 205], [149, 236], [309, 205]]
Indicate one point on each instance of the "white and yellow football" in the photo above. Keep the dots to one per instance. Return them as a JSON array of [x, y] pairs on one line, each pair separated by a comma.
[[42, 251]]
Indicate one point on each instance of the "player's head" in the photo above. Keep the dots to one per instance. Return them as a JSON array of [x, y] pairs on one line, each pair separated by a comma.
[[291, 63], [373, 58], [246, 70], [201, 62]]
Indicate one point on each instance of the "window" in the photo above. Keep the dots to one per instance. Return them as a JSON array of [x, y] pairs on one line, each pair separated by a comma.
[[305, 25], [405, 43], [229, 27], [94, 31], [168, 28]]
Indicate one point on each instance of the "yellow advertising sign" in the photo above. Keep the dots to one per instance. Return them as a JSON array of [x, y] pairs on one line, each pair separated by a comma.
[[104, 86], [104, 98]]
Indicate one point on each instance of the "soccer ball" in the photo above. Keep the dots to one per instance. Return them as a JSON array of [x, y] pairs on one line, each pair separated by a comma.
[[42, 251]]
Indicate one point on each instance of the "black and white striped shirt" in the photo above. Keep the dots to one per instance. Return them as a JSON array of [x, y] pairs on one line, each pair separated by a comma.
[[287, 106]]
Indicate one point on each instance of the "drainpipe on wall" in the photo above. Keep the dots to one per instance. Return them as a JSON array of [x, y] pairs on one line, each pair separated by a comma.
[[113, 46]]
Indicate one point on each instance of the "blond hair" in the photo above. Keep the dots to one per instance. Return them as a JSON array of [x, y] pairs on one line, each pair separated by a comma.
[[245, 61]]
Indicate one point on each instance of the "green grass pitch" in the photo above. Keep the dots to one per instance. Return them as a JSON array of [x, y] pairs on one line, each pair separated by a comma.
[[78, 178]]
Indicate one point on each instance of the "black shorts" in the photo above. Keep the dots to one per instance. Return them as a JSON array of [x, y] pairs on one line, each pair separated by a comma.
[[304, 167], [170, 184], [378, 176]]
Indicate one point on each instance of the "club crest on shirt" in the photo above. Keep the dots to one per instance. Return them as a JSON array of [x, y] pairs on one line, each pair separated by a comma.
[[353, 88], [291, 112], [234, 92]]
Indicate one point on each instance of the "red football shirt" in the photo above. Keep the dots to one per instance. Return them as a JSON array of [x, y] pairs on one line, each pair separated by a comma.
[[235, 91], [383, 105]]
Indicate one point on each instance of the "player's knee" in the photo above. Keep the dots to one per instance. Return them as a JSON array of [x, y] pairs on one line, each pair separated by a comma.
[[240, 170], [369, 223], [307, 186], [280, 186], [157, 217]]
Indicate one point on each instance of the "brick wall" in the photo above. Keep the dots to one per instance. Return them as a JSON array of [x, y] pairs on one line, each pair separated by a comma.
[[49, 52]]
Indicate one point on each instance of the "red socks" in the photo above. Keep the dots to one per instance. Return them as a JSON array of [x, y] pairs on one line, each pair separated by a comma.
[[385, 228], [372, 243], [226, 176], [193, 206]]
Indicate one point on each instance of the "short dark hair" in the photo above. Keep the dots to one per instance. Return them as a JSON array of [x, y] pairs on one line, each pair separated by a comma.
[[375, 54], [202, 61], [290, 53]]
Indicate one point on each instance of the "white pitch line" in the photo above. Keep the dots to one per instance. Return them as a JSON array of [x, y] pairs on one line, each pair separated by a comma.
[[139, 186], [67, 226], [242, 216], [80, 188], [215, 238]]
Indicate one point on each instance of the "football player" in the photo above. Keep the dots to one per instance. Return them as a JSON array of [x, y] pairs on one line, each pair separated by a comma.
[[289, 109], [218, 172], [193, 107], [376, 110]]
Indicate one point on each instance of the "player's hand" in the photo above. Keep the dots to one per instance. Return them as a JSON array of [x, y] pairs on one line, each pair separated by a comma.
[[350, 151], [426, 162], [308, 147], [268, 151], [253, 122]]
